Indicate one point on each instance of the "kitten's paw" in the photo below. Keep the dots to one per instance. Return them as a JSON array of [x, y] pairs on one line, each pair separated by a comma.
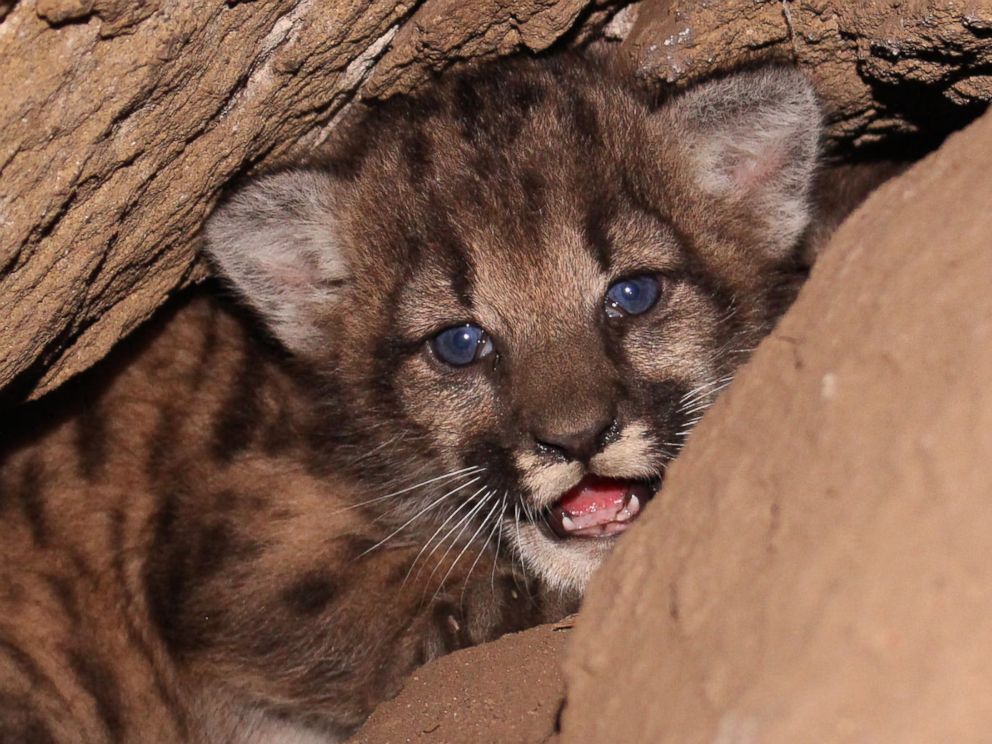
[[482, 610]]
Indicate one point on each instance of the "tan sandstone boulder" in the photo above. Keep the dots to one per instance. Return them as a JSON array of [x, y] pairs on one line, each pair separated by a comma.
[[895, 72]]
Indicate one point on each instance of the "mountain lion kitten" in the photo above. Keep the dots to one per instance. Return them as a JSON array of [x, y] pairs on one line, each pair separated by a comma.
[[493, 313]]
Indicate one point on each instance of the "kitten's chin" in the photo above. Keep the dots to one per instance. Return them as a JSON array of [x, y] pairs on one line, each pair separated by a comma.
[[566, 565]]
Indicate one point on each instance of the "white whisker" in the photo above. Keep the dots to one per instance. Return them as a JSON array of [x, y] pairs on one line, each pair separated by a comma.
[[420, 513], [437, 532], [468, 544], [372, 451], [482, 550], [464, 522], [499, 540], [471, 470]]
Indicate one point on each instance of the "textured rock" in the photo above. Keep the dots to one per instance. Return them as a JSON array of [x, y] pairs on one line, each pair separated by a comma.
[[816, 568], [122, 121], [884, 67]]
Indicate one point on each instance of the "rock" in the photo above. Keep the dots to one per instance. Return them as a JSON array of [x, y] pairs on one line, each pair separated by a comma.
[[885, 68], [816, 568], [122, 122]]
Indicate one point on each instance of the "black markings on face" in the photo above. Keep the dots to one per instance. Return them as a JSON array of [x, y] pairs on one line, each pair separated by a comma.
[[162, 445], [100, 683], [584, 120], [64, 592], [525, 96], [599, 214], [664, 400], [417, 155], [310, 594], [475, 100], [520, 164], [468, 107], [240, 414], [91, 442], [461, 278], [501, 474], [29, 494]]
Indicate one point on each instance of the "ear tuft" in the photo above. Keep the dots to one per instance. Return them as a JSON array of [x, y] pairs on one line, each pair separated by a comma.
[[753, 140], [275, 242]]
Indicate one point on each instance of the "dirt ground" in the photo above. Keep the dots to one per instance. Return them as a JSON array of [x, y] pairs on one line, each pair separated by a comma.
[[498, 692]]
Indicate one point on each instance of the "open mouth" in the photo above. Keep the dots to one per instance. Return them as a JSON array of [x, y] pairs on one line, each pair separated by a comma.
[[600, 507]]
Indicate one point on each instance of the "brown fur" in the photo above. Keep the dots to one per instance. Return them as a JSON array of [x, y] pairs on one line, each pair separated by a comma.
[[197, 541]]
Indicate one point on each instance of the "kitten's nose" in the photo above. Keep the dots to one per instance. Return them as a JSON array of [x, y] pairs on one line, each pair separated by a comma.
[[579, 443]]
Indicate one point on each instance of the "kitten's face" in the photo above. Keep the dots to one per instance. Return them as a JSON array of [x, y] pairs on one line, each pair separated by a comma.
[[527, 287]]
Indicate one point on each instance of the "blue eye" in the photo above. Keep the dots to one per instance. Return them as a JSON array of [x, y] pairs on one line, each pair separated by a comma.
[[631, 296], [461, 345]]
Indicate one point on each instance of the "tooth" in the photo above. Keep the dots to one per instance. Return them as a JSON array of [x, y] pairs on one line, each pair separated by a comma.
[[567, 523], [634, 505]]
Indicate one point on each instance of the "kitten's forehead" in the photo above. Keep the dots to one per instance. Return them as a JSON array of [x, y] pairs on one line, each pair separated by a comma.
[[513, 291], [543, 290]]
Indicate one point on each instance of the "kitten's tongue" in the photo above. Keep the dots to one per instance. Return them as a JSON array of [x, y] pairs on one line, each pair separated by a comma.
[[598, 507]]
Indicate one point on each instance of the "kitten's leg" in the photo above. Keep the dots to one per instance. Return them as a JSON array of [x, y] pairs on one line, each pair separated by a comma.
[[326, 638]]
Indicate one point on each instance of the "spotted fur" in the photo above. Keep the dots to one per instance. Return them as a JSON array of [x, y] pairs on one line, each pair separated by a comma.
[[252, 527]]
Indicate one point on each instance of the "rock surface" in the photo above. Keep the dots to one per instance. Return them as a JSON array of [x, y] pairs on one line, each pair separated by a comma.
[[122, 122], [816, 568], [884, 67]]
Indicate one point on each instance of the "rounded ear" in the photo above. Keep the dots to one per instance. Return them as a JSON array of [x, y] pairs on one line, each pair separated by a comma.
[[752, 141], [274, 241]]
